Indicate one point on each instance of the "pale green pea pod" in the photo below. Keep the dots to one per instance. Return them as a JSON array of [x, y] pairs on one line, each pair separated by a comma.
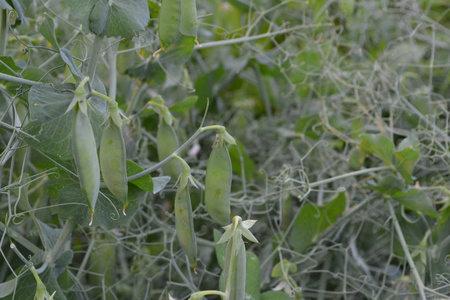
[[113, 162], [167, 143], [184, 224], [86, 159], [218, 183], [188, 22], [169, 21]]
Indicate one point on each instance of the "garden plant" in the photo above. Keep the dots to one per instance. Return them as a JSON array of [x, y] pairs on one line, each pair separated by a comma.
[[224, 149]]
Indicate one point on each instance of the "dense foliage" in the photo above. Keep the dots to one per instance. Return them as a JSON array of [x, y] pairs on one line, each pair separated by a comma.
[[325, 121]]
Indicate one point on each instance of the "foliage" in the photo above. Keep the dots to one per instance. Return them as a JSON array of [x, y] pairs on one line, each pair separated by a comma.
[[332, 122]]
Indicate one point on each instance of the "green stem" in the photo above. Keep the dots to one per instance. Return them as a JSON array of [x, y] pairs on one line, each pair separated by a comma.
[[108, 99], [63, 236], [402, 241], [20, 239], [175, 153], [207, 292], [17, 79], [112, 58], [3, 31], [95, 55], [254, 37], [346, 175]]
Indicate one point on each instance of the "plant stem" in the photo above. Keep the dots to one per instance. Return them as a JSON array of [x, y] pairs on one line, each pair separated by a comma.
[[112, 58], [175, 153], [63, 236], [20, 239], [208, 292], [254, 37], [402, 240], [17, 79], [3, 31], [95, 54], [346, 175]]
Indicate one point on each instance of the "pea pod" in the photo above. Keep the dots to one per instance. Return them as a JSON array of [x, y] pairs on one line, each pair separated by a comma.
[[235, 269], [113, 161], [167, 143], [85, 155], [188, 23], [218, 183], [184, 224], [177, 17]]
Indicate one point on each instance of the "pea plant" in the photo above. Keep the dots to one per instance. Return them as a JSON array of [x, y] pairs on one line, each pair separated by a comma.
[[142, 140]]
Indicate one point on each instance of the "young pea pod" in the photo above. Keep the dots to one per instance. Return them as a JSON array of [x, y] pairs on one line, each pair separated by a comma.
[[218, 183], [113, 161], [235, 269], [177, 17], [85, 155], [167, 143], [184, 224]]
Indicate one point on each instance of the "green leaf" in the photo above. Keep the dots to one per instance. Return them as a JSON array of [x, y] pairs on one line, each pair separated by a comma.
[[252, 277], [312, 221], [389, 185], [72, 205], [122, 18], [47, 29], [273, 295], [145, 183], [184, 105], [356, 159], [6, 288], [119, 18], [48, 101], [416, 200], [51, 126], [26, 286], [288, 268], [404, 161], [8, 66], [379, 145], [159, 183], [66, 56]]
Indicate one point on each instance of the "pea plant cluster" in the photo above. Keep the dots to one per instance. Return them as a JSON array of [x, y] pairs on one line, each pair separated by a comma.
[[227, 150]]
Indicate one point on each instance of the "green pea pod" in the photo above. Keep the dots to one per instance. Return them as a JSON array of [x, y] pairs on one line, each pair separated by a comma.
[[86, 159], [169, 21], [218, 184], [188, 23], [184, 224], [177, 17], [235, 269], [113, 162], [167, 143]]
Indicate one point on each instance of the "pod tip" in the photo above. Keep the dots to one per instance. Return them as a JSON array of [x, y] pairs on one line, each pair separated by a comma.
[[92, 218], [123, 211], [195, 269]]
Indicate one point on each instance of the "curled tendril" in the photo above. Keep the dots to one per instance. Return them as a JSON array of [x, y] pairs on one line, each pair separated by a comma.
[[114, 216], [408, 219], [18, 219]]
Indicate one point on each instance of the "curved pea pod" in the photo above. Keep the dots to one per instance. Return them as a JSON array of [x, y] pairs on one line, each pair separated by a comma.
[[86, 159], [184, 224], [218, 184], [113, 162], [167, 143]]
